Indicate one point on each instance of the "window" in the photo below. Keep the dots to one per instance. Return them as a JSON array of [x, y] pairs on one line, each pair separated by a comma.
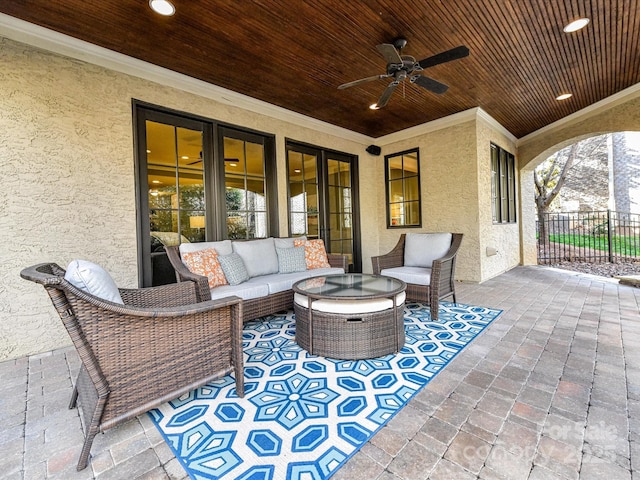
[[402, 175], [191, 188], [503, 185]]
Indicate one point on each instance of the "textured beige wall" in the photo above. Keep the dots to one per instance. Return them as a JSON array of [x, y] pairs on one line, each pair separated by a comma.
[[66, 150], [449, 187], [505, 238], [619, 115]]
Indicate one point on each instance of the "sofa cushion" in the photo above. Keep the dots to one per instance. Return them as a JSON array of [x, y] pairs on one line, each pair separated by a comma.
[[278, 282], [245, 291], [415, 275], [223, 247], [421, 249], [259, 256], [315, 253], [287, 242], [93, 279], [291, 259], [233, 268], [205, 262]]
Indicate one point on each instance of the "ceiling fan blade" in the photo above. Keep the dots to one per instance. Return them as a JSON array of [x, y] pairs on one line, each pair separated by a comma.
[[362, 80], [449, 55], [429, 83], [389, 53], [384, 98]]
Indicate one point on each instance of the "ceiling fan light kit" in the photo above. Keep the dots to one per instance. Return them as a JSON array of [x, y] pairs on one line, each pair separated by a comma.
[[400, 67]]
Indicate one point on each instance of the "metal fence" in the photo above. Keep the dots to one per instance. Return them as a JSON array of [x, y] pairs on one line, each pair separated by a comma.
[[600, 236]]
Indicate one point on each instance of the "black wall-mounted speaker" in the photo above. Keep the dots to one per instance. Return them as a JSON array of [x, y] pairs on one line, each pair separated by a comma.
[[374, 150]]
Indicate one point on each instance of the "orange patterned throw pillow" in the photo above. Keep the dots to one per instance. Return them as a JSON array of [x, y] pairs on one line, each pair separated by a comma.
[[205, 262], [314, 253]]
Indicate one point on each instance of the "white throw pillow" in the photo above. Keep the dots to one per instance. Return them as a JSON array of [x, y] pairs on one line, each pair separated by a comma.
[[93, 279], [259, 256], [421, 249]]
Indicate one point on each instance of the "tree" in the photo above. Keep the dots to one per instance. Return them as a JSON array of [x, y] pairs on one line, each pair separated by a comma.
[[550, 175]]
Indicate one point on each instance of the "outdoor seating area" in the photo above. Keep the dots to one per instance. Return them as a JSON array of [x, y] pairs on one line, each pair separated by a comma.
[[548, 390]]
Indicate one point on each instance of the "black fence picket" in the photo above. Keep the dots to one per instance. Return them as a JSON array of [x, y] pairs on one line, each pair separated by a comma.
[[598, 236]]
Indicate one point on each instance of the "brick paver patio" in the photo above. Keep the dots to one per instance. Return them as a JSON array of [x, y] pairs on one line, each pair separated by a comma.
[[551, 390]]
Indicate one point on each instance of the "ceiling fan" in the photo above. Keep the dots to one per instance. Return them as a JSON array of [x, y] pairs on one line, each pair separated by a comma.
[[400, 67]]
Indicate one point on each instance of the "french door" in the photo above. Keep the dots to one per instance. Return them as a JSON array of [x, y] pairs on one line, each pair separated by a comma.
[[198, 181], [323, 200]]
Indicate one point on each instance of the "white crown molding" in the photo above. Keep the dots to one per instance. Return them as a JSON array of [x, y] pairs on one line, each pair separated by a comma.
[[40, 37], [445, 122], [594, 109]]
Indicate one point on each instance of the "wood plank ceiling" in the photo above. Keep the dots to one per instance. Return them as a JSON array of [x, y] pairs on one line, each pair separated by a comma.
[[295, 53]]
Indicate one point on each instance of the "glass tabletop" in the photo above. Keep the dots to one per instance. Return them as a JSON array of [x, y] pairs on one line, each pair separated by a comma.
[[349, 286]]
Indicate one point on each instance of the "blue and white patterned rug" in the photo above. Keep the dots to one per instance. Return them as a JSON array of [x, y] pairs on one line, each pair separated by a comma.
[[303, 416]]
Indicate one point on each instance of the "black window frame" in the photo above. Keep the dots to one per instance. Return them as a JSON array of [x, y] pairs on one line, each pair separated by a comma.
[[504, 203], [387, 181], [214, 176]]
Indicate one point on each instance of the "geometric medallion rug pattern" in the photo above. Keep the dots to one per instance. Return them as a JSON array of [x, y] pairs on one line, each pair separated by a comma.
[[303, 416]]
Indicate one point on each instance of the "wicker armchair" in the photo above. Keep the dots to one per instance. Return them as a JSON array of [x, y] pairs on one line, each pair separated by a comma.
[[440, 283], [159, 345]]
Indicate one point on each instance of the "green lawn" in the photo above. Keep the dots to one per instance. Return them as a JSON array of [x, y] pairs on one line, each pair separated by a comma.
[[627, 246]]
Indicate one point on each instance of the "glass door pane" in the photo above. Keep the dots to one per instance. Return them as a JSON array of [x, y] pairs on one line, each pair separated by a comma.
[[340, 209], [175, 189], [303, 194], [245, 188]]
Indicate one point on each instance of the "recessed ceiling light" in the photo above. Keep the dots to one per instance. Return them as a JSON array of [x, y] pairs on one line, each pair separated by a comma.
[[576, 25], [185, 157], [233, 164], [374, 106], [564, 96], [163, 7], [148, 151], [297, 170], [155, 181]]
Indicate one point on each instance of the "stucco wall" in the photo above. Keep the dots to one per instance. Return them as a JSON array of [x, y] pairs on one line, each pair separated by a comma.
[[448, 176], [504, 238], [66, 150]]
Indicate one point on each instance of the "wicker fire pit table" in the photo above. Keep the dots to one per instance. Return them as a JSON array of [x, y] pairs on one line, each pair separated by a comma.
[[352, 316]]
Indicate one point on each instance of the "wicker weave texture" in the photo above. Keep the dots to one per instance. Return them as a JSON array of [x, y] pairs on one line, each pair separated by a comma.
[[161, 344], [353, 336]]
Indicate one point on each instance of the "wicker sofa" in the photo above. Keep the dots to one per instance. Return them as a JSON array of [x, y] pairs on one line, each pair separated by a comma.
[[431, 281], [262, 294], [151, 346]]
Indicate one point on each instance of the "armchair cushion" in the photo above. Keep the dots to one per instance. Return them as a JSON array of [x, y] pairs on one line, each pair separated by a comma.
[[259, 256], [93, 279], [413, 275], [421, 249], [205, 262], [234, 268]]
